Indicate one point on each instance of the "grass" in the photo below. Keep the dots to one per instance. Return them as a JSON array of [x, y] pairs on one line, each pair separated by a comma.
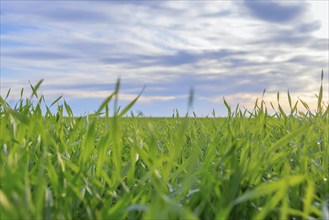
[[249, 165]]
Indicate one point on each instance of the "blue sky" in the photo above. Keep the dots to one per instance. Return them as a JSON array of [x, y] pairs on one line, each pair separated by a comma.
[[231, 49]]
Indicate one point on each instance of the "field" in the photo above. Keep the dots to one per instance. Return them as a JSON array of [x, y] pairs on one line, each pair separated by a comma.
[[248, 165]]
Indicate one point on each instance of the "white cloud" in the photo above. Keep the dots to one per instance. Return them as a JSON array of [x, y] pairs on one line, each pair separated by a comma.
[[79, 43], [319, 11]]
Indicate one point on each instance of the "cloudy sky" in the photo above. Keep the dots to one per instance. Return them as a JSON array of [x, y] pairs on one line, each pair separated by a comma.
[[231, 49]]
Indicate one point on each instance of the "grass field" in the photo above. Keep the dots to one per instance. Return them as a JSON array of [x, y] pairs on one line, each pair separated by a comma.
[[249, 165]]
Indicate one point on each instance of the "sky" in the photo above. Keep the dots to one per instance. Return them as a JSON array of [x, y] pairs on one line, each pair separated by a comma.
[[220, 49]]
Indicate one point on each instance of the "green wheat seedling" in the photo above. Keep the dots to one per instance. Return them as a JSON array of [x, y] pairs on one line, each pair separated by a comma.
[[248, 165]]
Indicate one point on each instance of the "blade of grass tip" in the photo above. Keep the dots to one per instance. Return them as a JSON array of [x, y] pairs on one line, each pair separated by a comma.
[[236, 109], [48, 112], [42, 99], [319, 110], [105, 102], [294, 109], [213, 113], [54, 102], [35, 89], [126, 109], [263, 93], [190, 99], [305, 105], [272, 106], [107, 111], [278, 97], [8, 93], [289, 99], [116, 92], [227, 106], [262, 106], [282, 111], [117, 110], [256, 104], [22, 92], [68, 110], [117, 85]]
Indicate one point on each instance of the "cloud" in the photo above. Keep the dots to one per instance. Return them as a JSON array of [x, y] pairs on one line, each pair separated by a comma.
[[76, 16], [308, 27], [101, 94], [273, 11], [219, 48], [178, 58], [40, 55]]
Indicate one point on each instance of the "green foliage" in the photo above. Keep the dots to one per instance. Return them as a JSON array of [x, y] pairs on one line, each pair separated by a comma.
[[250, 165]]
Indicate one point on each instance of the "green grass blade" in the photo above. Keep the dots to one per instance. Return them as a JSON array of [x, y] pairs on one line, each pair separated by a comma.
[[289, 100], [56, 100], [8, 94], [35, 89], [227, 107], [130, 105], [284, 140]]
